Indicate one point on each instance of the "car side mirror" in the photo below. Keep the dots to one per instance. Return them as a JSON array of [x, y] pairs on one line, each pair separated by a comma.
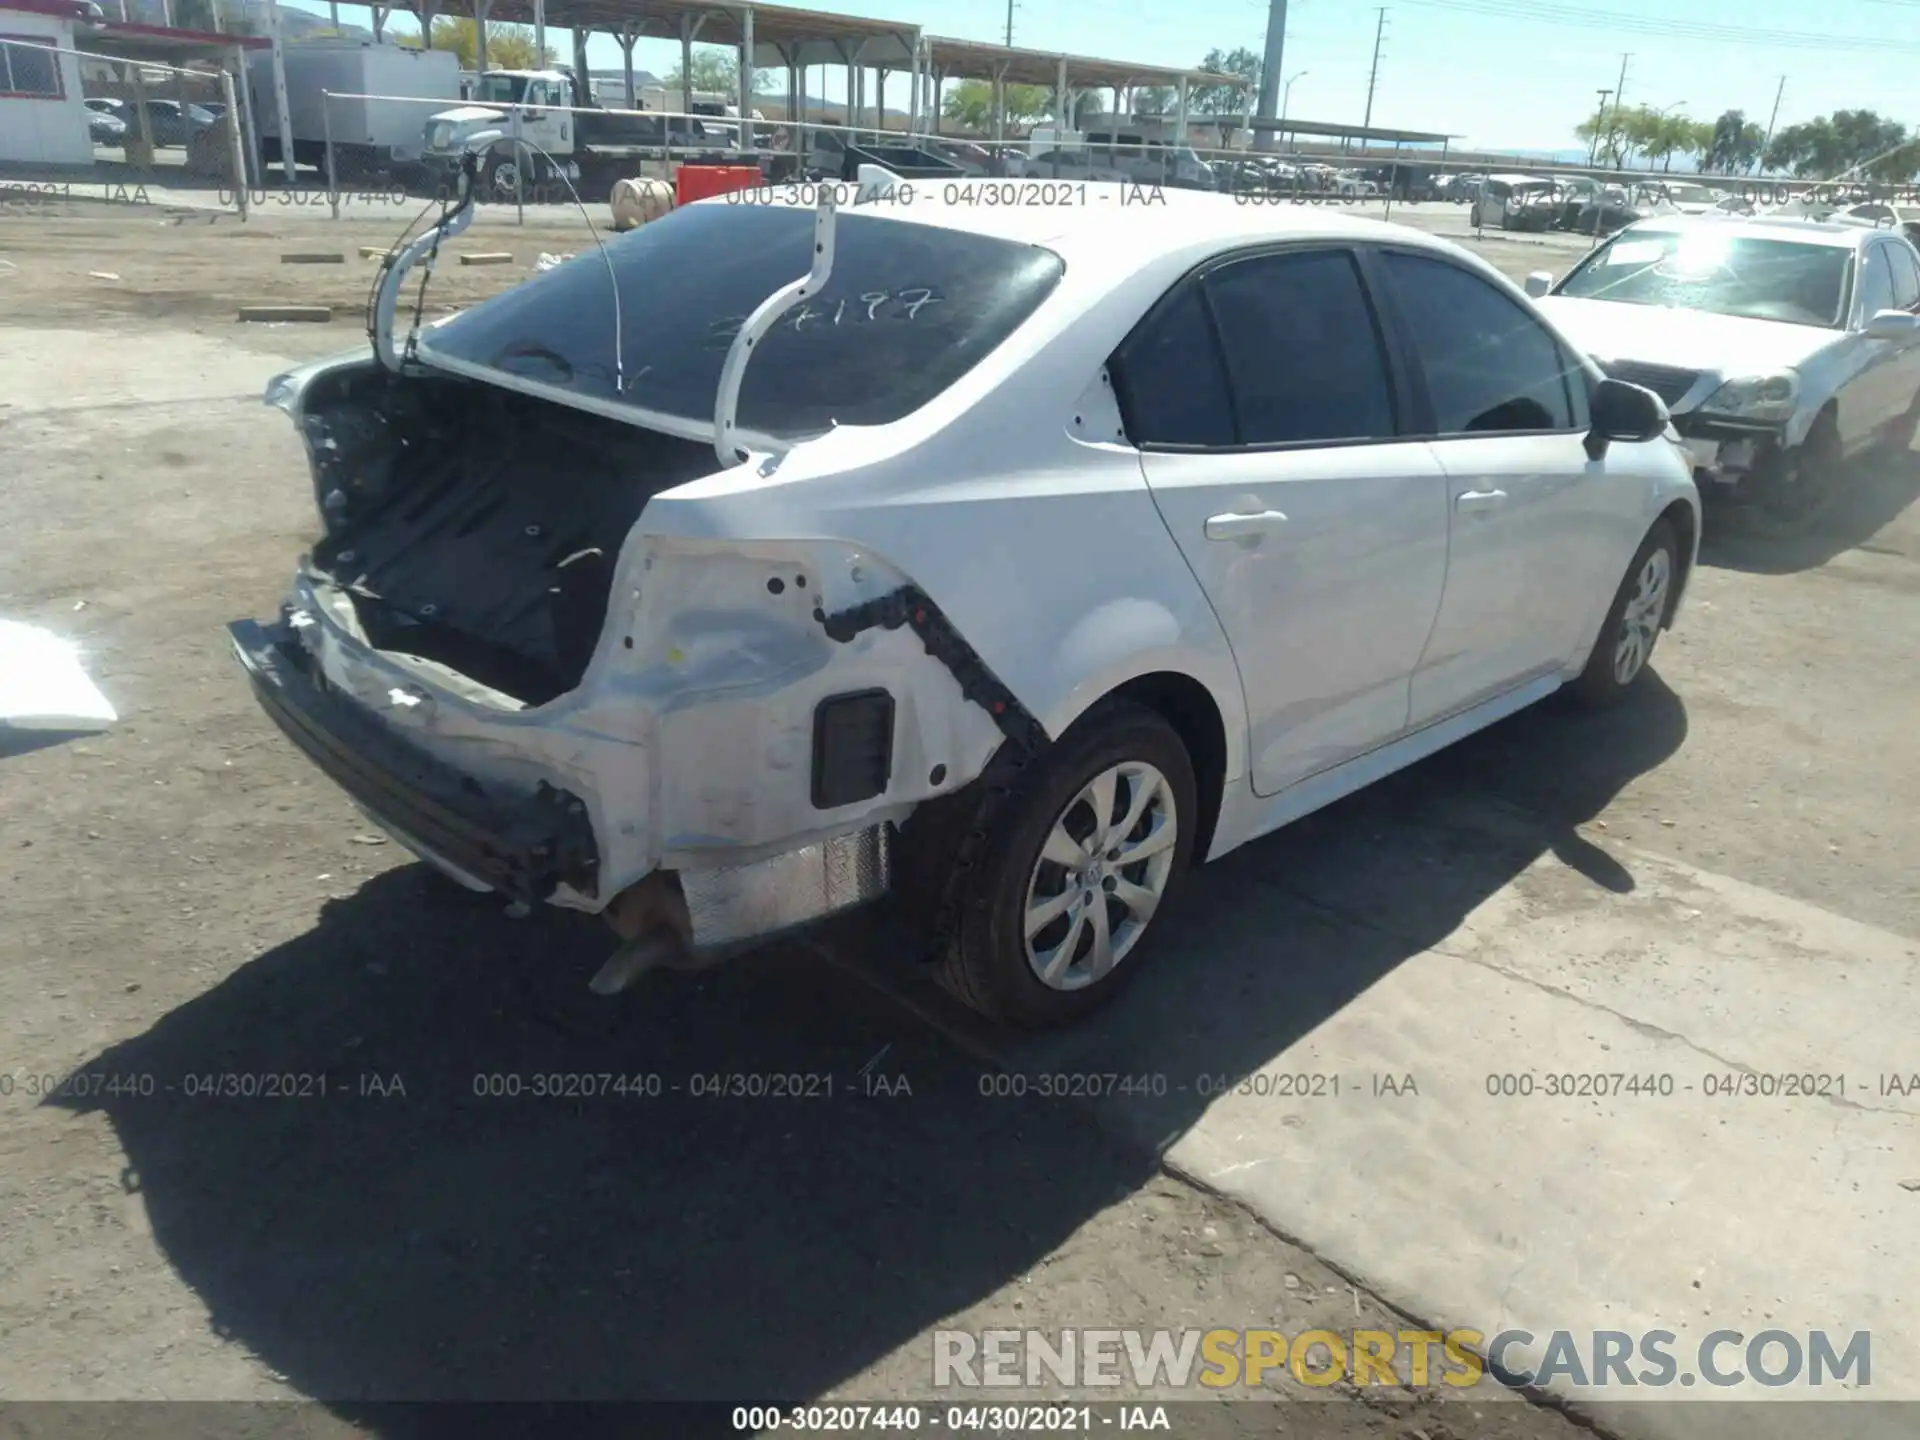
[[1539, 283], [1623, 412], [1892, 325]]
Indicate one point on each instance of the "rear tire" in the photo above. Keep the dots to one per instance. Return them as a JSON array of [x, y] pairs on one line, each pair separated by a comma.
[[1639, 611], [1053, 921]]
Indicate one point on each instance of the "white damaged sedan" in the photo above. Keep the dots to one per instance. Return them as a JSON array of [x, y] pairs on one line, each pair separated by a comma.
[[1009, 560]]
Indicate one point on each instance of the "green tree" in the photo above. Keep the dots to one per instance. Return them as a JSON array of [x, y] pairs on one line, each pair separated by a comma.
[[1651, 135], [1227, 99], [1605, 132], [1849, 143], [718, 71], [1734, 145], [1901, 167], [1669, 135], [1154, 100], [970, 104], [509, 47]]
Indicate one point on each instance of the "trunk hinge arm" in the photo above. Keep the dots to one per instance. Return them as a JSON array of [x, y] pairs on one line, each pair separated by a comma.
[[726, 405], [393, 274]]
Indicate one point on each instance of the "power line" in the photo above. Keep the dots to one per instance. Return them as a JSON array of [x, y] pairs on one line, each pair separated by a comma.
[[1572, 15]]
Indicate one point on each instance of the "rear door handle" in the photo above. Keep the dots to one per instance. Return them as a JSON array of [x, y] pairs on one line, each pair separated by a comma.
[[1234, 526], [1471, 500]]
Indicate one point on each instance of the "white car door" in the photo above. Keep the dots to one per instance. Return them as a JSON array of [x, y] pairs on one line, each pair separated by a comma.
[[1905, 261], [1269, 420], [1889, 372], [1540, 532]]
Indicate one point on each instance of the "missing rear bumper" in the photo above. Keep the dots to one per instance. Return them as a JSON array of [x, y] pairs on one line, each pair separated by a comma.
[[525, 844]]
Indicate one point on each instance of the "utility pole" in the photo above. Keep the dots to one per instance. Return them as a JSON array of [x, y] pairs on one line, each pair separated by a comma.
[[1619, 94], [1269, 99], [1599, 124], [1774, 118], [1379, 33], [1009, 40]]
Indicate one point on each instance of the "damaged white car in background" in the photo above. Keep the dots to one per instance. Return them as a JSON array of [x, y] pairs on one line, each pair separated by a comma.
[[768, 560]]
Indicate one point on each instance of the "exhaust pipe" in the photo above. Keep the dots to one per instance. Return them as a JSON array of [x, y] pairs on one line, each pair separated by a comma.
[[655, 930], [632, 960]]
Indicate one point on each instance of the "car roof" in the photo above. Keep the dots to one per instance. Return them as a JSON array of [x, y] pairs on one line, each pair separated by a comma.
[[1806, 232]]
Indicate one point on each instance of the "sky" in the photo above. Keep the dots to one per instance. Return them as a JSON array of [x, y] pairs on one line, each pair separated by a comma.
[[1501, 74]]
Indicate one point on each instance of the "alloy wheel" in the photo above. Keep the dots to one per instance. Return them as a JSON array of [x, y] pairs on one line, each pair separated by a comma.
[[1640, 621], [1100, 875]]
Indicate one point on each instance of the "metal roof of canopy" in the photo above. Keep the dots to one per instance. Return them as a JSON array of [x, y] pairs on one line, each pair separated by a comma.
[[782, 35], [160, 44], [978, 60], [1319, 130]]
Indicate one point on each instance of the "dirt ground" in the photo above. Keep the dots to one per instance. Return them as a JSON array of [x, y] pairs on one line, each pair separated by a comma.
[[196, 268], [185, 897]]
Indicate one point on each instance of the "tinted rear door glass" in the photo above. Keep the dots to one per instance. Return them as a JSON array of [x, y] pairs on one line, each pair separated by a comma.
[[1169, 377], [1303, 351]]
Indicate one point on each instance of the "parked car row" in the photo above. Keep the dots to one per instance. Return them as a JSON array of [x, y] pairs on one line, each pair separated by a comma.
[[1597, 206], [110, 121]]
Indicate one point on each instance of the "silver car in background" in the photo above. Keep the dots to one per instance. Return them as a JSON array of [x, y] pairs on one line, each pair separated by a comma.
[[1782, 349]]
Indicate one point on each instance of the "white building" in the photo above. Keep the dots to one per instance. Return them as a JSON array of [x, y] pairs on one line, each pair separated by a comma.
[[42, 118]]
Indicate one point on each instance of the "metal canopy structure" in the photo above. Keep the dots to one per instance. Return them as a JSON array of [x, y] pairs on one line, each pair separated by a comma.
[[778, 37], [117, 40], [1003, 65], [977, 60], [1319, 130], [764, 37], [781, 36]]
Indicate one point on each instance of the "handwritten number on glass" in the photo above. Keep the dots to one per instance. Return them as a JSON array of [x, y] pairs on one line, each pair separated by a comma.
[[869, 307]]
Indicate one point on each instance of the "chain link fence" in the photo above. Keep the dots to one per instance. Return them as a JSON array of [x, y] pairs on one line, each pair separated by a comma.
[[82, 125], [194, 130]]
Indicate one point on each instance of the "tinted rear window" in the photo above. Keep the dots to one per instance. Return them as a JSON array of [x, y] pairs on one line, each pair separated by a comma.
[[909, 309]]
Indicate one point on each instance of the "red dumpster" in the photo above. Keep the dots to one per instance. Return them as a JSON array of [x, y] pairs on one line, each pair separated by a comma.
[[697, 182]]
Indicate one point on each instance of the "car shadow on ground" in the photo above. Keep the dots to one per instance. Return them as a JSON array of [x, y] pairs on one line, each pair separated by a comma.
[[1875, 492], [15, 741], [453, 1241], [1273, 939]]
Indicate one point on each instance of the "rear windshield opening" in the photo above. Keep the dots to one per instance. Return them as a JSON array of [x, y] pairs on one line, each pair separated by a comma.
[[908, 310]]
